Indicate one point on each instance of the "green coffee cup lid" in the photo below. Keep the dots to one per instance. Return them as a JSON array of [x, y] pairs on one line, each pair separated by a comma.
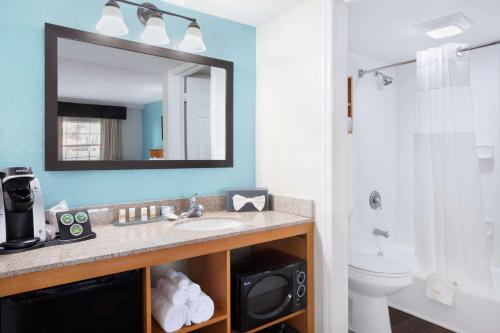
[[76, 230], [81, 217], [67, 219]]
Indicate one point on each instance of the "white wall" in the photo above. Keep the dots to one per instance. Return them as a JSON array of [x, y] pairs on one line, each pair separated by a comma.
[[289, 120], [289, 102], [373, 153], [132, 135], [485, 77]]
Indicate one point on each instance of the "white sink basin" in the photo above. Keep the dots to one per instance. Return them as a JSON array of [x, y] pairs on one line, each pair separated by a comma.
[[209, 225]]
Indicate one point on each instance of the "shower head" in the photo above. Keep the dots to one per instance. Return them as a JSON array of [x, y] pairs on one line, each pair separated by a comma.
[[386, 79]]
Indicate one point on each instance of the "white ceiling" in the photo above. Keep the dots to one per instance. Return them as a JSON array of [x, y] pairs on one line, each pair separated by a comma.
[[384, 29], [252, 12], [86, 82], [99, 74]]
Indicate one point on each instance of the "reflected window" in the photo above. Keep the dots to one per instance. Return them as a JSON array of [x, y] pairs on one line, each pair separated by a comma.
[[81, 139]]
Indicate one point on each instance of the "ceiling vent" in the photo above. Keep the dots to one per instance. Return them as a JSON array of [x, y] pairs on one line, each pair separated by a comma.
[[445, 27]]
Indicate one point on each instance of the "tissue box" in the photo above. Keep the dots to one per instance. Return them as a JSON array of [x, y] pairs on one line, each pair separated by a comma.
[[248, 193]]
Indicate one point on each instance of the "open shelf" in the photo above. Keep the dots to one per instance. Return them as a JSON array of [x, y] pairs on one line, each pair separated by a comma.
[[218, 317], [295, 246], [277, 321], [211, 270]]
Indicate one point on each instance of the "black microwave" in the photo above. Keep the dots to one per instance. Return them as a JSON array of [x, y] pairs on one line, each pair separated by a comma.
[[266, 286]]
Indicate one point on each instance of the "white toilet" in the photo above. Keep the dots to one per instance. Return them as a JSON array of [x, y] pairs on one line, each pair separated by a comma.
[[371, 279]]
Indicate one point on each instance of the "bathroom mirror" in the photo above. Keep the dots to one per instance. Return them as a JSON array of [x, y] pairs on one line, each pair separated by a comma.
[[117, 104]]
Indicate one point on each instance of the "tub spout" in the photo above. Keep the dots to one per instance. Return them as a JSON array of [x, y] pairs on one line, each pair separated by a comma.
[[380, 232]]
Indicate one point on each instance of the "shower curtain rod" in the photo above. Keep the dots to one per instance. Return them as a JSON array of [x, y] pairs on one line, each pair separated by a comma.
[[459, 51]]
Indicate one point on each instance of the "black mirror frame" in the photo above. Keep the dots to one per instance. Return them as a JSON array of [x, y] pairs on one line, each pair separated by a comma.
[[52, 163]]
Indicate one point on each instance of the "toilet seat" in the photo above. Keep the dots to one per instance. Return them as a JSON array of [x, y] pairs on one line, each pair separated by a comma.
[[377, 265]]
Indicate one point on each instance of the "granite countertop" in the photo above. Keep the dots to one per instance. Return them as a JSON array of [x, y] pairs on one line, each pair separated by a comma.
[[112, 242]]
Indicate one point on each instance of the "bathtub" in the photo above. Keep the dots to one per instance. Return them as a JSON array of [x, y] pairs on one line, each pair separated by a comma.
[[474, 311]]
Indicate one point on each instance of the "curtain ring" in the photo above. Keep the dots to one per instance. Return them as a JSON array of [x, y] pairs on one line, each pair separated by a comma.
[[460, 51]]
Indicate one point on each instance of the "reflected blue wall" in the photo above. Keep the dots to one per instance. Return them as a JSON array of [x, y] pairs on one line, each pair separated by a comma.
[[151, 128]]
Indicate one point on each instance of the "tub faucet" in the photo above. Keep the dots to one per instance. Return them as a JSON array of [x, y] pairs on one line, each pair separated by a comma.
[[380, 232], [194, 209]]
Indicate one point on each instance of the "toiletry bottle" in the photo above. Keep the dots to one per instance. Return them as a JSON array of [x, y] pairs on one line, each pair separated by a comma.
[[152, 212], [144, 214], [122, 216], [131, 214]]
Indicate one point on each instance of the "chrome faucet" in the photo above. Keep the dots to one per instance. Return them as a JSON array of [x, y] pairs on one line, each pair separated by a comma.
[[194, 209], [380, 232]]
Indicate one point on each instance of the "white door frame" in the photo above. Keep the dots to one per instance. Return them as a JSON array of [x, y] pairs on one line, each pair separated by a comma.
[[173, 110], [335, 199]]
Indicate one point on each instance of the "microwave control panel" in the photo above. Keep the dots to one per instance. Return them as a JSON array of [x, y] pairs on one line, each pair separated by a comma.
[[300, 287]]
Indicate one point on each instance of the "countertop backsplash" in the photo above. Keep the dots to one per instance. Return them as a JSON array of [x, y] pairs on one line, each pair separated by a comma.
[[107, 214]]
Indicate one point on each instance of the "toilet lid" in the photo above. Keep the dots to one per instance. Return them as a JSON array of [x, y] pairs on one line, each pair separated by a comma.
[[376, 264]]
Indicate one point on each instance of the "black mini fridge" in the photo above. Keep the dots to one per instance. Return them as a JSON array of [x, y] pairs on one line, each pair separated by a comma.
[[107, 304]]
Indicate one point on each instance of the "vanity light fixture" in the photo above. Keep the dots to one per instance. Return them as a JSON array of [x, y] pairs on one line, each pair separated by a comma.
[[112, 24]]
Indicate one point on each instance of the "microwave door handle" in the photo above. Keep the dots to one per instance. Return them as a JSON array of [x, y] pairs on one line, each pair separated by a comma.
[[275, 312]]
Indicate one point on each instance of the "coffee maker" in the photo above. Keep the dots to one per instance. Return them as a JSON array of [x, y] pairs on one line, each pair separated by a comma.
[[22, 215]]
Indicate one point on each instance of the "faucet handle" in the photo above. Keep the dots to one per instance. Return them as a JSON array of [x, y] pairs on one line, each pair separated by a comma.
[[200, 209], [193, 199], [376, 200]]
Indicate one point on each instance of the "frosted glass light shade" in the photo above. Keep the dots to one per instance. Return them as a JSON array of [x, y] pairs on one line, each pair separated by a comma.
[[111, 22], [155, 32], [193, 40]]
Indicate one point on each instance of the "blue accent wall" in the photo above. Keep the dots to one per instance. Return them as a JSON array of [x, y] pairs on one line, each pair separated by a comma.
[[151, 128], [22, 111]]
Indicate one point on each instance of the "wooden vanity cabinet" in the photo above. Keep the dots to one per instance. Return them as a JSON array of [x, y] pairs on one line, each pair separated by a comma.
[[208, 263]]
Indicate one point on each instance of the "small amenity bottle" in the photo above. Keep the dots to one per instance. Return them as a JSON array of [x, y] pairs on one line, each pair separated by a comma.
[[122, 216], [131, 214], [152, 212], [144, 214]]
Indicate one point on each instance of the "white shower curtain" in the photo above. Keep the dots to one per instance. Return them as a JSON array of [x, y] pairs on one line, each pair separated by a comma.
[[449, 224]]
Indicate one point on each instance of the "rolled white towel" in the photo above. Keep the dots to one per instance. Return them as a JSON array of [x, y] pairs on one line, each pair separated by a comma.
[[174, 294], [188, 321], [179, 280], [193, 291], [169, 316], [201, 309]]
